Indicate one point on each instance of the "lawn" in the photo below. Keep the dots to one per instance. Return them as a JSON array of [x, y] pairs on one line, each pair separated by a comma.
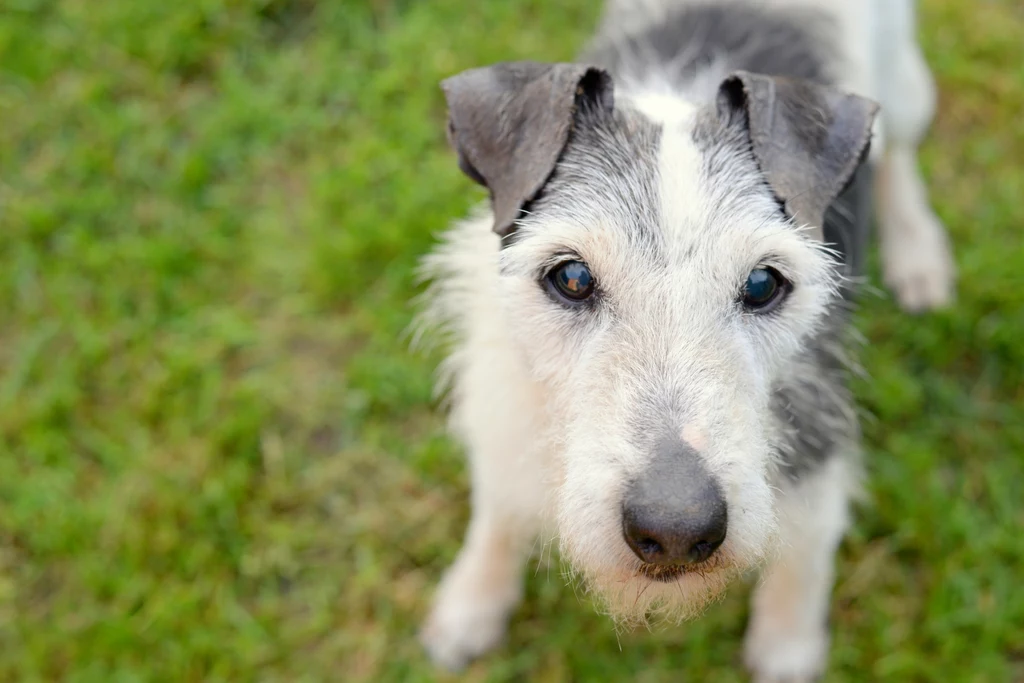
[[220, 462]]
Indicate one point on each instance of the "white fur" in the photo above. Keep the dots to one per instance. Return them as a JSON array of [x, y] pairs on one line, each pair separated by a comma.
[[787, 638], [507, 465]]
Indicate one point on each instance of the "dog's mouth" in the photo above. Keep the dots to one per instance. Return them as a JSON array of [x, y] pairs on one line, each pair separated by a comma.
[[660, 573], [663, 573]]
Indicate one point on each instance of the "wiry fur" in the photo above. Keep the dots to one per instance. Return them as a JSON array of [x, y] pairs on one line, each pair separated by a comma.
[[690, 49], [559, 407]]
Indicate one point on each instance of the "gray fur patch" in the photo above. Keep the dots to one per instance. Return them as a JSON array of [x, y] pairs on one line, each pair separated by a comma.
[[725, 37], [814, 406], [611, 163]]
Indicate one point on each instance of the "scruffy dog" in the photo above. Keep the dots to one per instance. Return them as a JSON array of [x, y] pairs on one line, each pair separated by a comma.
[[647, 322]]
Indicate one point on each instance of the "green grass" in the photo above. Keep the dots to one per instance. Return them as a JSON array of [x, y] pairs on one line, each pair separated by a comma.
[[218, 460]]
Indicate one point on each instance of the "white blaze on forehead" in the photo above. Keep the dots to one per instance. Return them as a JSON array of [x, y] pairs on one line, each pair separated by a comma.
[[665, 108], [680, 162]]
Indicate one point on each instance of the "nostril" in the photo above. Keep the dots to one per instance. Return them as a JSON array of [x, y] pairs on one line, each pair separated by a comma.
[[644, 541], [702, 550], [649, 547]]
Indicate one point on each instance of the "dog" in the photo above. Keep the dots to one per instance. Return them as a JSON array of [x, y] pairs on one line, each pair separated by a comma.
[[648, 323]]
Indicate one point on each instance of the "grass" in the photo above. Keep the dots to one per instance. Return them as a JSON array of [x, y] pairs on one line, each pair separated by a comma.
[[218, 460]]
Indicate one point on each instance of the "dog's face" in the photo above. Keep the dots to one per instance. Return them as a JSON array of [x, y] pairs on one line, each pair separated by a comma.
[[657, 285]]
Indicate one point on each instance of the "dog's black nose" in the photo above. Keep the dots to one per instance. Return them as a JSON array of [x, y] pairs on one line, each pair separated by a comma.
[[675, 513]]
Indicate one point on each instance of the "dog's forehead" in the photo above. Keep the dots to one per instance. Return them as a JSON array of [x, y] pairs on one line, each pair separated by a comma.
[[609, 169], [658, 179]]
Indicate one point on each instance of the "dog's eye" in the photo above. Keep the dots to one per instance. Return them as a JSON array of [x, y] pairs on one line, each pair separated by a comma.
[[572, 280], [764, 289]]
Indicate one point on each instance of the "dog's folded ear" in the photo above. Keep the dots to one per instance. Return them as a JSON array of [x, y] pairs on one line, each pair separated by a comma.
[[510, 122], [808, 139]]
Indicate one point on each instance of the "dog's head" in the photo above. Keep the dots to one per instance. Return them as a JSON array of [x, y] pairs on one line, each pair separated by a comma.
[[661, 268]]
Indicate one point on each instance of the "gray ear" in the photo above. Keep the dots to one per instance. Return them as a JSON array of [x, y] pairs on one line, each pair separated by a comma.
[[808, 139], [510, 122]]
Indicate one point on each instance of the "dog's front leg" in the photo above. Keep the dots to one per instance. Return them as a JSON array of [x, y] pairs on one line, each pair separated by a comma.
[[787, 638], [478, 592], [484, 584]]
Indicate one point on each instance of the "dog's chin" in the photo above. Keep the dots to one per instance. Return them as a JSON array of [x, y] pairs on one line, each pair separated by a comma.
[[641, 594]]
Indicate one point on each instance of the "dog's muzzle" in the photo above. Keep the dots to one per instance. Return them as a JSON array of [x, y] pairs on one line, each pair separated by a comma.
[[674, 515]]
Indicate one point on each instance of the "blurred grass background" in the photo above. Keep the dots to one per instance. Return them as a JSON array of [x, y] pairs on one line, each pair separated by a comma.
[[218, 460]]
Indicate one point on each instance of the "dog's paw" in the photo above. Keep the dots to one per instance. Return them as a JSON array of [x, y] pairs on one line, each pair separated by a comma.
[[917, 263], [471, 609], [460, 630], [779, 657]]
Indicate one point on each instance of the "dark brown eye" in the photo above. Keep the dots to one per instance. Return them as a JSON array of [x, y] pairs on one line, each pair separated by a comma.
[[763, 290], [572, 280]]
